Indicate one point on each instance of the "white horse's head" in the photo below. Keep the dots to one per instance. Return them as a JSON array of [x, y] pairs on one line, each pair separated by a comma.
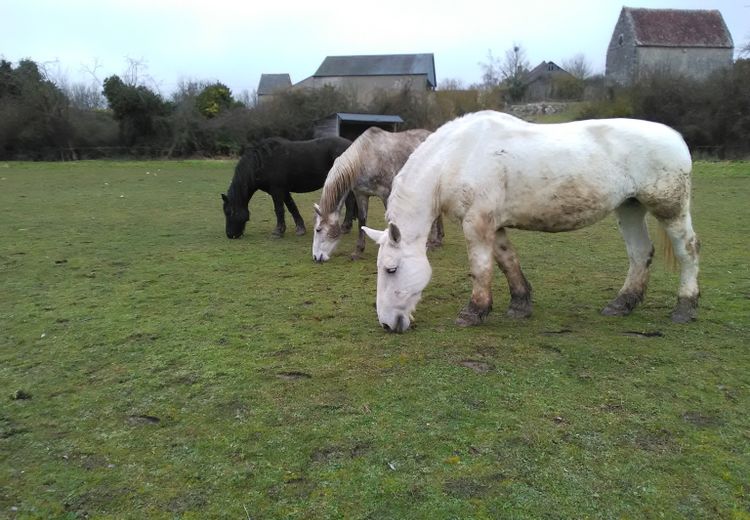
[[327, 235], [403, 273]]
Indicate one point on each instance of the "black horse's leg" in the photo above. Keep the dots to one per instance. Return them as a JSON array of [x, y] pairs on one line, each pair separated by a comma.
[[298, 221], [278, 207], [351, 212]]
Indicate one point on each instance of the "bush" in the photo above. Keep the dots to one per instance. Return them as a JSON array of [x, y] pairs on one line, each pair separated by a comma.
[[713, 115]]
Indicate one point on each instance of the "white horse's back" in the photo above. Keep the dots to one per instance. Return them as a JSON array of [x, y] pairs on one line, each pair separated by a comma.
[[549, 177]]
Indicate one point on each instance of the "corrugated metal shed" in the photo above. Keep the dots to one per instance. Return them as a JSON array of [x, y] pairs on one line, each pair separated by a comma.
[[351, 126], [379, 65], [368, 118], [679, 28]]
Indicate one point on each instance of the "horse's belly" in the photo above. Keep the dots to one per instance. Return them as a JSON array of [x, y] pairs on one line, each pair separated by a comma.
[[557, 208], [555, 219]]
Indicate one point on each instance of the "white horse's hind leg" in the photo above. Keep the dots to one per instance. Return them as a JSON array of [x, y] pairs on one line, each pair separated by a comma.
[[686, 248], [520, 288], [631, 218]]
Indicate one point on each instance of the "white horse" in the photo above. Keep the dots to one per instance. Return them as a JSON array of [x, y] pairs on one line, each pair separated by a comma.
[[492, 171], [366, 169]]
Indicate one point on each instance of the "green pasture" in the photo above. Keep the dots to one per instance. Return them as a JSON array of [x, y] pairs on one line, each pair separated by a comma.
[[151, 368]]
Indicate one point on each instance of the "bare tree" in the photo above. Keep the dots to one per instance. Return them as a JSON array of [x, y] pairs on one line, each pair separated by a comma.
[[135, 74], [491, 76], [85, 97], [744, 51], [248, 99], [451, 84], [578, 67], [515, 65], [509, 71]]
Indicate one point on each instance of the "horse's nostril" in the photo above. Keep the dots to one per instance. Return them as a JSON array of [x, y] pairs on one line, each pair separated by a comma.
[[400, 324], [386, 327]]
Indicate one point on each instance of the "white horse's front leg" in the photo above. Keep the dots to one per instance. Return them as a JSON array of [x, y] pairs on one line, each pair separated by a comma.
[[479, 242]]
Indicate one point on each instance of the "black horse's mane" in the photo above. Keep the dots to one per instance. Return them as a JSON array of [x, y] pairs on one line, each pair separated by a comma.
[[248, 171]]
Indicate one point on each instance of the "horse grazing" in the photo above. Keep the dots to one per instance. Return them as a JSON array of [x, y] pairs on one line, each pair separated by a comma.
[[367, 169], [492, 171], [279, 166]]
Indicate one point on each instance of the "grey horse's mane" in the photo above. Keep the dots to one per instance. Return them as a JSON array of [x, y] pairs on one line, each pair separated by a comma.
[[345, 171]]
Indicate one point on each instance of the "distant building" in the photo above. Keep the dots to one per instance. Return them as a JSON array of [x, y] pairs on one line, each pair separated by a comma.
[[547, 81], [352, 126], [692, 43], [271, 84], [364, 77]]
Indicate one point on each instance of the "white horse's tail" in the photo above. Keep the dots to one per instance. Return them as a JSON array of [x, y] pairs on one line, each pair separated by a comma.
[[666, 248]]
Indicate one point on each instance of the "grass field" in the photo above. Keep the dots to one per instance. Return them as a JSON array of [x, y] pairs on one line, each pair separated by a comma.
[[151, 368]]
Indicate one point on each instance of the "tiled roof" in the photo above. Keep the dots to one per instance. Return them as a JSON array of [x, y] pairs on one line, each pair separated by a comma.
[[269, 83], [379, 65], [679, 28]]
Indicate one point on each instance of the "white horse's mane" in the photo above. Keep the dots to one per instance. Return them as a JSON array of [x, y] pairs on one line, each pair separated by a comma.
[[345, 171]]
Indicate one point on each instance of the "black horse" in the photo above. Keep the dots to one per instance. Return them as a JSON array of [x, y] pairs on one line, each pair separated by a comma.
[[279, 166]]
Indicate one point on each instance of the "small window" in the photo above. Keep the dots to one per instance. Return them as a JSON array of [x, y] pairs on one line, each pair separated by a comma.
[[551, 67], [621, 39]]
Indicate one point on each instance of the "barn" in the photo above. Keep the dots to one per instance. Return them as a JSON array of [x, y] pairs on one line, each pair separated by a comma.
[[271, 84], [691, 43], [364, 77], [547, 81]]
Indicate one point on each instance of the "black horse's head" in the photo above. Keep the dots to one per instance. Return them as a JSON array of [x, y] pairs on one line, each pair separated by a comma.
[[243, 185], [237, 216]]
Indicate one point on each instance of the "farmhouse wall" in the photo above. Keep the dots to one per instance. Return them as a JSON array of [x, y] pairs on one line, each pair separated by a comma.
[[692, 43], [621, 59], [696, 63]]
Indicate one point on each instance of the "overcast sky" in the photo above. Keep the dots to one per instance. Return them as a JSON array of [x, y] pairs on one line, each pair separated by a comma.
[[235, 41]]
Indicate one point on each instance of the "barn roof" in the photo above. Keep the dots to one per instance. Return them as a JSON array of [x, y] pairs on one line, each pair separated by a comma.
[[368, 118], [679, 28], [269, 83], [379, 65]]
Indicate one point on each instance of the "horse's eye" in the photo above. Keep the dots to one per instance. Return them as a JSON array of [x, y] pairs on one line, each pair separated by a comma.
[[390, 270], [318, 230]]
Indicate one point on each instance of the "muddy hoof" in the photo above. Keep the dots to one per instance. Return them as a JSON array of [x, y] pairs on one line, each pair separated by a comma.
[[623, 304], [356, 256], [346, 229], [615, 310], [518, 312], [468, 319], [686, 310], [300, 231], [472, 315], [277, 233]]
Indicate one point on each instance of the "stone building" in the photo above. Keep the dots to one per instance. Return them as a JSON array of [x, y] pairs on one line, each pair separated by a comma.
[[364, 77], [692, 43], [270, 84], [548, 81]]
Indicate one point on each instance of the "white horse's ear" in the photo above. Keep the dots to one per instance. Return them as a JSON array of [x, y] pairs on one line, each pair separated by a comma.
[[374, 234], [317, 209], [394, 232]]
